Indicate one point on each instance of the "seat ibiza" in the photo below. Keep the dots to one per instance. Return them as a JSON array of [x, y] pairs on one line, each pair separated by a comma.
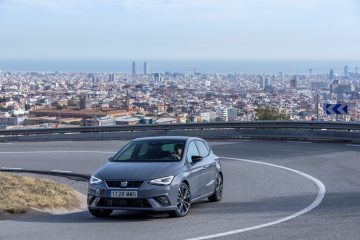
[[158, 174]]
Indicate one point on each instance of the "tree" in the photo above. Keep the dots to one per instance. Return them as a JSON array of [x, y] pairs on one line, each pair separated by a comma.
[[270, 113], [4, 109]]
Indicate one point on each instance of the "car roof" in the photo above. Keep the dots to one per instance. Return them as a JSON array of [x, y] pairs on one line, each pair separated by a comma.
[[185, 138]]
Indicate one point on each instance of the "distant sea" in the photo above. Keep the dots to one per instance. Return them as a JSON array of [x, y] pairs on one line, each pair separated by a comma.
[[207, 66]]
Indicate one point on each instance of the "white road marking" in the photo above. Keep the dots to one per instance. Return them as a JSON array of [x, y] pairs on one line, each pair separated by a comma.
[[313, 205], [353, 145], [57, 152], [61, 171], [298, 142], [10, 168]]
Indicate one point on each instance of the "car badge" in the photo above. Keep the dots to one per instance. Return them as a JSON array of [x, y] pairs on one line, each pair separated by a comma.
[[123, 184]]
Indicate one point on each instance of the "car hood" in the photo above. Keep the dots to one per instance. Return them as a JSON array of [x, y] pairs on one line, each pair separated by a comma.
[[137, 170]]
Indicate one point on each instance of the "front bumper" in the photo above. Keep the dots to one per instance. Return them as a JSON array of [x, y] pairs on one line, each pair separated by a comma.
[[149, 198]]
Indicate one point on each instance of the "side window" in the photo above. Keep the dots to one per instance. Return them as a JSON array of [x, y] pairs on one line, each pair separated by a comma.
[[192, 151], [203, 149], [168, 147]]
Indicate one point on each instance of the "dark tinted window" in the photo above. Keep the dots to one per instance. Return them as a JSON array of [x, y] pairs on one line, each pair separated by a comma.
[[192, 151], [151, 151], [203, 149]]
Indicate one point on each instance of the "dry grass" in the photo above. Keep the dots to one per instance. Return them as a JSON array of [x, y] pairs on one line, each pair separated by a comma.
[[20, 193]]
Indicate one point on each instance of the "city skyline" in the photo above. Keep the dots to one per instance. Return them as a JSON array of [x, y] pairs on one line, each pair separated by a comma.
[[205, 29], [204, 66]]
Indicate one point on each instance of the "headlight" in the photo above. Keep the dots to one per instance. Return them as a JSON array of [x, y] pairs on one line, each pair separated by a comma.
[[94, 180], [162, 181]]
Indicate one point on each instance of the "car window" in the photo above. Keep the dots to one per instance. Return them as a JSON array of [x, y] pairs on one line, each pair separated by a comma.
[[203, 149], [152, 151], [143, 150], [168, 147], [127, 153], [192, 151]]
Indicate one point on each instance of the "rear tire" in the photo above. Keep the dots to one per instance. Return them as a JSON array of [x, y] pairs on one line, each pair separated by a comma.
[[218, 193], [100, 213], [183, 201]]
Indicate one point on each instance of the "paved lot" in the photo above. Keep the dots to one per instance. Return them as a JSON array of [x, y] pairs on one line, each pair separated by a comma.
[[255, 194]]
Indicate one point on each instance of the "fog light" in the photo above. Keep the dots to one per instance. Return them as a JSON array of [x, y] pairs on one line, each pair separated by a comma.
[[163, 200]]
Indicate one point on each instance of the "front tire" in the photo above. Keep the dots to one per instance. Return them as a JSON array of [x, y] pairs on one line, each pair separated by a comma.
[[218, 193], [100, 213], [183, 202]]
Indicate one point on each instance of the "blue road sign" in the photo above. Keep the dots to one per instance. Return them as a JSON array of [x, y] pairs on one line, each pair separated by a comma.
[[337, 109]]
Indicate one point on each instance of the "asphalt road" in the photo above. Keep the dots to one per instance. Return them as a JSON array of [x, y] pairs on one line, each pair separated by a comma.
[[254, 195]]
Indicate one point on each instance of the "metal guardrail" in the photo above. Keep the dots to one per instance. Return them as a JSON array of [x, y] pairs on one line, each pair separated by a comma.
[[278, 125]]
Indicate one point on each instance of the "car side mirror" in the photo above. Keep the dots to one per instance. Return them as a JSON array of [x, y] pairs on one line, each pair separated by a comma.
[[111, 158], [196, 159]]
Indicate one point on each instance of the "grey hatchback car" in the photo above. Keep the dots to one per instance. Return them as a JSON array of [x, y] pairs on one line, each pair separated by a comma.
[[157, 174]]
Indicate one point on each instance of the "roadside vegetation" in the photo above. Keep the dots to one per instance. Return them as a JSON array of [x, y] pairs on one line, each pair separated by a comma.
[[21, 193], [270, 113]]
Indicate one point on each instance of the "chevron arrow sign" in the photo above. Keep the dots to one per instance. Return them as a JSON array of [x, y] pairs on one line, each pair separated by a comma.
[[337, 109]]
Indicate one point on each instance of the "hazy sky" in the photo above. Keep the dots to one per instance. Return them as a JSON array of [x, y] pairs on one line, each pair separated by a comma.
[[179, 29]]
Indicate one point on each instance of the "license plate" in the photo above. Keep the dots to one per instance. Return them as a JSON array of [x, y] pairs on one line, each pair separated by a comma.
[[124, 194]]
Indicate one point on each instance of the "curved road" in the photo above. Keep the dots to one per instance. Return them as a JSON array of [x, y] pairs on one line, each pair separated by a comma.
[[255, 194]]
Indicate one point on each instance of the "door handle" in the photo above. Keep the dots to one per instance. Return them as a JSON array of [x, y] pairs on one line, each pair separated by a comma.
[[205, 167]]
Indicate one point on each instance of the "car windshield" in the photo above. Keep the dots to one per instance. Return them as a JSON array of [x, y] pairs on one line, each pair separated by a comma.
[[151, 151]]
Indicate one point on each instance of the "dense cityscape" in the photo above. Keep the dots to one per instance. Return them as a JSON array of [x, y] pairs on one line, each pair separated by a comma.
[[59, 99]]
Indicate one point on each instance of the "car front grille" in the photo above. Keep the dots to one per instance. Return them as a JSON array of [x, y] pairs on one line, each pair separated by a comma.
[[121, 202], [130, 184]]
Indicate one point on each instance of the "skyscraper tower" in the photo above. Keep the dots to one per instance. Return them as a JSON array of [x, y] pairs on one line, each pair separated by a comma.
[[145, 68], [133, 68], [346, 71], [293, 82], [331, 74], [85, 102], [111, 77], [267, 83], [156, 77], [310, 71], [262, 84]]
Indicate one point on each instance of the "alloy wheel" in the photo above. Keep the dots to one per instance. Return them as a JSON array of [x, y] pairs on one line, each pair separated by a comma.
[[183, 199]]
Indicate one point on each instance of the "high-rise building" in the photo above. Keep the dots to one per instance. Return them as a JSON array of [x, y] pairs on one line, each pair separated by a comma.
[[331, 74], [111, 77], [133, 68], [310, 71], [334, 86], [229, 114], [85, 102], [293, 82], [145, 68], [346, 70], [156, 77], [267, 82], [262, 84]]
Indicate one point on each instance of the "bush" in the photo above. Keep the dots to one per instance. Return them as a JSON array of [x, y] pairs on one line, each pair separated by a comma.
[[270, 113]]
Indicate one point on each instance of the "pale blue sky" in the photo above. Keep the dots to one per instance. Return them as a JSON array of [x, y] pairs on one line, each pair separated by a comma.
[[179, 29]]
